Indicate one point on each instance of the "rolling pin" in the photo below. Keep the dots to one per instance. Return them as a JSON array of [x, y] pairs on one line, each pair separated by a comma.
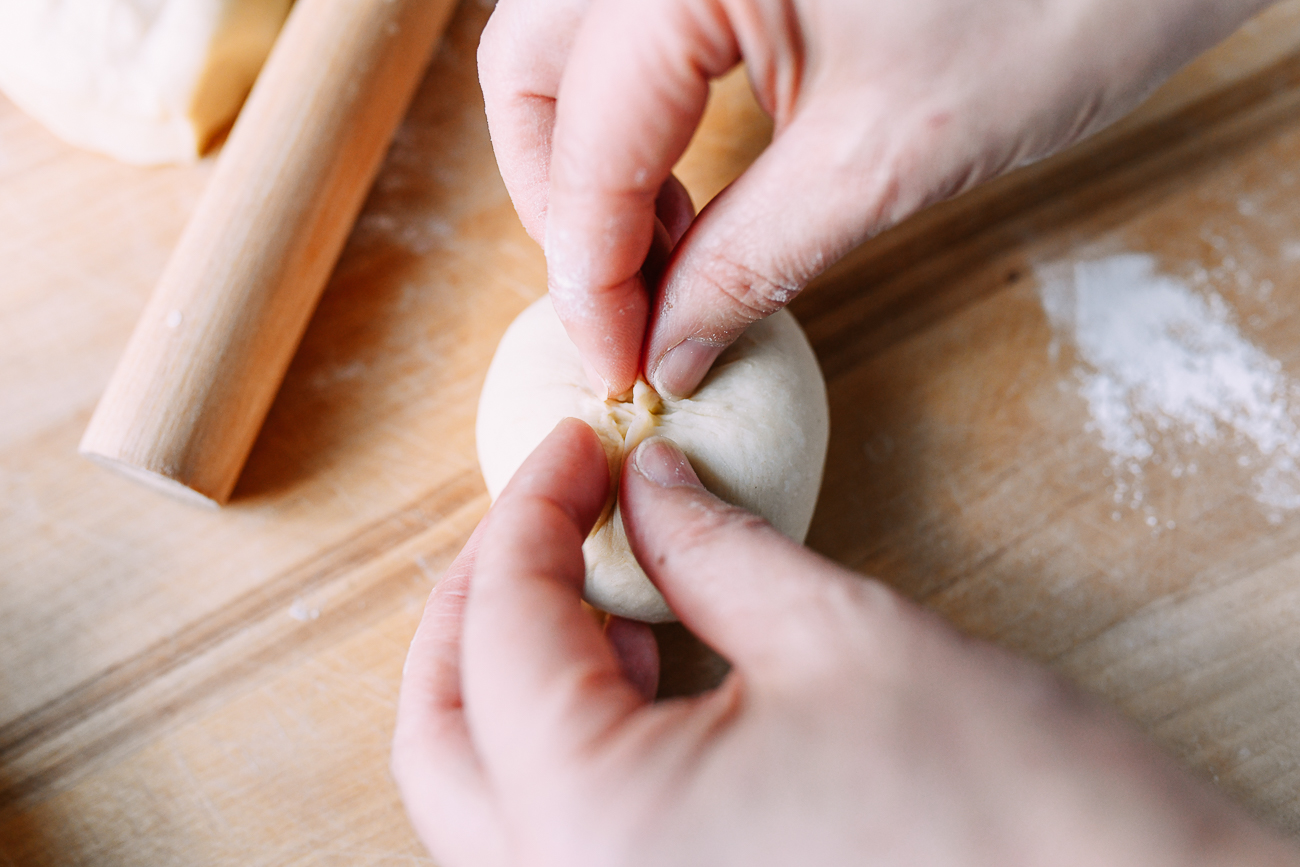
[[198, 375]]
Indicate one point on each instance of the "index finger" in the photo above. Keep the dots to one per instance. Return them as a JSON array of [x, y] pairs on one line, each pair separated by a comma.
[[539, 679], [632, 94]]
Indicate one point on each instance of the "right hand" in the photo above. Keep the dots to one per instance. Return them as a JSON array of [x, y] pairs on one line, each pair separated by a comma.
[[854, 727], [881, 107]]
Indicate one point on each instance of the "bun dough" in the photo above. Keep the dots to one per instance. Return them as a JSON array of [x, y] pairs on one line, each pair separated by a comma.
[[145, 81], [756, 432]]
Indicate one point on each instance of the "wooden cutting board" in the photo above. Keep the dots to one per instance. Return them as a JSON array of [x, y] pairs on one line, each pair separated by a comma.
[[193, 687]]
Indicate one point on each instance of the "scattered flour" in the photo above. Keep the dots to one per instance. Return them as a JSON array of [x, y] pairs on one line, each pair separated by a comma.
[[1164, 370], [300, 612]]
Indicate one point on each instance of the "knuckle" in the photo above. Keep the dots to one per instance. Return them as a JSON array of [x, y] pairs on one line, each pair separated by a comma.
[[490, 51], [502, 61], [755, 294]]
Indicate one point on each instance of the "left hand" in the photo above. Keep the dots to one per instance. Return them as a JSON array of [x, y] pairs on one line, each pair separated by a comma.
[[880, 108]]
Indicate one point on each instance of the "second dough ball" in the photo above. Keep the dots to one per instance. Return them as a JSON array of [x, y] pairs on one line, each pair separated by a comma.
[[756, 432], [144, 81]]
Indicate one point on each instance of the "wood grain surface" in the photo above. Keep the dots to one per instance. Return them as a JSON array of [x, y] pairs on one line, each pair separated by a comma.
[[182, 686]]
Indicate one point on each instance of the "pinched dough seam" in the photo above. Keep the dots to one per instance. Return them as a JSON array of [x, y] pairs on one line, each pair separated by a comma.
[[633, 421]]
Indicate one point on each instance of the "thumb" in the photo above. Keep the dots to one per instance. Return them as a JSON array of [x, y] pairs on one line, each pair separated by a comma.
[[750, 592], [791, 215]]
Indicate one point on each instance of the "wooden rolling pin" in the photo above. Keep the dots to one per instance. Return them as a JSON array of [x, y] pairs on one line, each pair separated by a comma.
[[198, 376]]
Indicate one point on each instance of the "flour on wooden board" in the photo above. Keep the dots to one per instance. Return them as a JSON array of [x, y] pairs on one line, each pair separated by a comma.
[[1167, 374]]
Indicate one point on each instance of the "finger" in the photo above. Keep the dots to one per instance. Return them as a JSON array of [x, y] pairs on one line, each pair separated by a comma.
[[656, 260], [740, 585], [521, 57], [673, 215], [540, 680], [434, 763], [760, 241], [631, 96], [674, 208], [638, 654]]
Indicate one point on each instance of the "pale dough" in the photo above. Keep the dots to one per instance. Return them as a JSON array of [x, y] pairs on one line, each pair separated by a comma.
[[756, 432], [145, 81]]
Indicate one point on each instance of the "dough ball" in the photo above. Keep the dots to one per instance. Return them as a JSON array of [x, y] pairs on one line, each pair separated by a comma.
[[145, 81], [756, 432]]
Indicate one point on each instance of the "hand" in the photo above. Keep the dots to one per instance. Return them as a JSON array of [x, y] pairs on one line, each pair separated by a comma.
[[880, 108], [854, 728]]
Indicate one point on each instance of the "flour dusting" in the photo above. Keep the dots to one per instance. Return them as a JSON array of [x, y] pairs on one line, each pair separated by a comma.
[[1165, 370]]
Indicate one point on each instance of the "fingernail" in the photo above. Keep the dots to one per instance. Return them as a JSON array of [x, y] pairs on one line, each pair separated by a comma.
[[597, 382], [660, 461], [683, 366]]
